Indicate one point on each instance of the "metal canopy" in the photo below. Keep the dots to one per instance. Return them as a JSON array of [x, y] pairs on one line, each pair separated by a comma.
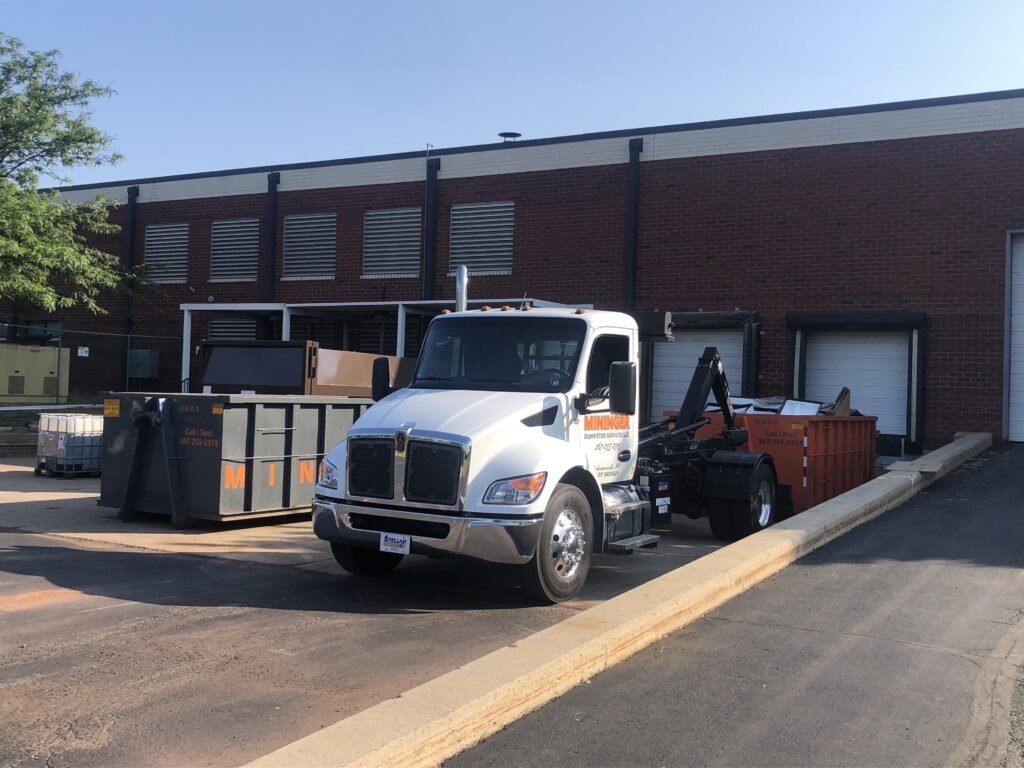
[[326, 309]]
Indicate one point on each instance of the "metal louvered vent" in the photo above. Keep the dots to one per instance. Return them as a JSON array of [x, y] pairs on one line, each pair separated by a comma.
[[231, 329], [481, 237], [234, 250], [321, 330], [309, 246], [391, 242], [166, 253]]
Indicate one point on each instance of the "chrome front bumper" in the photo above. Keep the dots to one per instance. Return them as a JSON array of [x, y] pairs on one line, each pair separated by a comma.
[[509, 541]]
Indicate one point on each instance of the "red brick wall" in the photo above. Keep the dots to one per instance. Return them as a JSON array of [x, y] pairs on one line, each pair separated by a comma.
[[916, 225], [157, 304], [569, 234], [350, 203]]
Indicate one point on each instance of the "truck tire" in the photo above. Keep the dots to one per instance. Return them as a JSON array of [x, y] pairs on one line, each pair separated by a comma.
[[363, 561], [720, 516], [561, 563], [759, 512]]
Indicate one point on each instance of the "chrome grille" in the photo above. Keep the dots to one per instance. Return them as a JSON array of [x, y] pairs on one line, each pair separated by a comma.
[[432, 472], [371, 467]]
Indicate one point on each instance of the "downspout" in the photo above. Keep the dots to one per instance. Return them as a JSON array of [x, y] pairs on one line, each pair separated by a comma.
[[270, 251], [127, 263], [430, 227], [636, 146]]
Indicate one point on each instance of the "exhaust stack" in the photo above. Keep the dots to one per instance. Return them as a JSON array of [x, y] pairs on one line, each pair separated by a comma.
[[461, 288]]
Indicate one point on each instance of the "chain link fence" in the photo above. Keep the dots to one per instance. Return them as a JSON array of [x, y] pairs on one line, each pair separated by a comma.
[[45, 363]]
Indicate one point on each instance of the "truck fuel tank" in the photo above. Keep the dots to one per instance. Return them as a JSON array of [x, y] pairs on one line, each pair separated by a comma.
[[627, 518]]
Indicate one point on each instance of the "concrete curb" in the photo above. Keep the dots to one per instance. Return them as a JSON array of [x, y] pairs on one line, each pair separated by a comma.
[[451, 713]]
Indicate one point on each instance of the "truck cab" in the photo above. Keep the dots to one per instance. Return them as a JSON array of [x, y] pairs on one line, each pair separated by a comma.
[[515, 442]]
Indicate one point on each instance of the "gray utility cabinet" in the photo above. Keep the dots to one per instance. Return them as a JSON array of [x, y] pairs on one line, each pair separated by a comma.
[[217, 457]]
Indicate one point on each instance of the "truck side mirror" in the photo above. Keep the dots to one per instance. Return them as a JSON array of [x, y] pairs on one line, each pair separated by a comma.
[[622, 388], [381, 381]]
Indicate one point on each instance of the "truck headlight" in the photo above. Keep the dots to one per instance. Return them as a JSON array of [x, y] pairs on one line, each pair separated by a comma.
[[328, 475], [516, 490]]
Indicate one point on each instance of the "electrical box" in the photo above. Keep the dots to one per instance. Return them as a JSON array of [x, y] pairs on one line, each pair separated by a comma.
[[33, 374], [143, 363]]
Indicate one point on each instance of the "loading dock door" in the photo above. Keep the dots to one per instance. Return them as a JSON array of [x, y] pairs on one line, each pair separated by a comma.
[[1015, 397], [674, 363], [873, 364]]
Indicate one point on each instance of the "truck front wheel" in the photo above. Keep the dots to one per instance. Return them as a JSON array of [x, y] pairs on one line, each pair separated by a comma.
[[363, 561], [562, 561]]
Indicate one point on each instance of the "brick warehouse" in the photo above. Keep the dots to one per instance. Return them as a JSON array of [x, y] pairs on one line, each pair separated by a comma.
[[870, 246]]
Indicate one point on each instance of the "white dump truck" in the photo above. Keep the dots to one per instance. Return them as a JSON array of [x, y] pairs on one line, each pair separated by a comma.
[[517, 442]]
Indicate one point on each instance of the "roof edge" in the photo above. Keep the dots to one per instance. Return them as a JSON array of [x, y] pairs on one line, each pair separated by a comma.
[[618, 133]]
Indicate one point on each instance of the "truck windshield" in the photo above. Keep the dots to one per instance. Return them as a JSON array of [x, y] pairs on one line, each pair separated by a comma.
[[508, 353]]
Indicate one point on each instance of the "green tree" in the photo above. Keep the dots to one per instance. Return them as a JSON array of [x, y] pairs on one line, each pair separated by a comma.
[[45, 130]]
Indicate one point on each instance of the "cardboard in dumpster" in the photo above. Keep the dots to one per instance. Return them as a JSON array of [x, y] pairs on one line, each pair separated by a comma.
[[800, 408], [841, 406], [790, 407], [293, 368], [343, 373]]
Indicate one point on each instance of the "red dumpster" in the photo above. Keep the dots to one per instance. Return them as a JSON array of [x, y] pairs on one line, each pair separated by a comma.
[[819, 457]]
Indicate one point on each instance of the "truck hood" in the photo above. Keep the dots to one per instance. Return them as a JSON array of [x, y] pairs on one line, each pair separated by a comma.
[[457, 411]]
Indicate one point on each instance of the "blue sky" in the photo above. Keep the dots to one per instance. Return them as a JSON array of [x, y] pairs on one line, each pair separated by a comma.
[[223, 84]]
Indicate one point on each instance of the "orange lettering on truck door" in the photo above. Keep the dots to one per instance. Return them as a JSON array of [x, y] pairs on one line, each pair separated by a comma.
[[307, 471]]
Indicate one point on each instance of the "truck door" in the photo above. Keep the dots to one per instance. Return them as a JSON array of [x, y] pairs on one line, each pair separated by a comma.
[[607, 439]]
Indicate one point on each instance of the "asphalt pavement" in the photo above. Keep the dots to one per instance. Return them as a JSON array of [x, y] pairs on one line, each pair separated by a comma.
[[900, 643], [135, 644]]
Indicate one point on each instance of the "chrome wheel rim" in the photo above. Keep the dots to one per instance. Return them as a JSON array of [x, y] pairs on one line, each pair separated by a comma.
[[763, 504], [568, 544]]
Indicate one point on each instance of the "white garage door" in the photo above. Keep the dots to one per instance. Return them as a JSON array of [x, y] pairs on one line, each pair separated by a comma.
[[674, 363], [1015, 427], [873, 365]]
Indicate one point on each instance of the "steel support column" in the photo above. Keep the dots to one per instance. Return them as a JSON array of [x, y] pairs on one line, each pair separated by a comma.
[[186, 348], [636, 146], [400, 333]]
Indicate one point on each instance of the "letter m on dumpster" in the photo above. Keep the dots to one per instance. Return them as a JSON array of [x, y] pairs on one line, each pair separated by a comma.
[[234, 476]]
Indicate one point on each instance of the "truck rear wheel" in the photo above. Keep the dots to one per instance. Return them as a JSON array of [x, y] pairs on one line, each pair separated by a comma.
[[757, 514], [363, 561], [562, 561]]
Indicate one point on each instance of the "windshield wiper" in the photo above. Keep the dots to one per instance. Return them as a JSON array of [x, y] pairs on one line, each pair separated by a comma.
[[431, 378], [495, 381]]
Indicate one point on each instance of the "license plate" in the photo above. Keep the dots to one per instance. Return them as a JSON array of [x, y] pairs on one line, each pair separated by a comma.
[[395, 542]]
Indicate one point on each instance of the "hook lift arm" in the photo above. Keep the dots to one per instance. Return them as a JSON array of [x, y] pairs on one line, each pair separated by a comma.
[[708, 378]]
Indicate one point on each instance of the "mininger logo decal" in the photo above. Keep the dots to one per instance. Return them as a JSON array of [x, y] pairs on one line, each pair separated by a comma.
[[605, 422]]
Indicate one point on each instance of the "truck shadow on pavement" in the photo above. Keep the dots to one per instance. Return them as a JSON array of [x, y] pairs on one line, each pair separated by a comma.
[[983, 502], [191, 580], [419, 585]]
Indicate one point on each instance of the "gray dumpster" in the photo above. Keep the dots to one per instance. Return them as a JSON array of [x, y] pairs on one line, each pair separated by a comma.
[[217, 457]]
